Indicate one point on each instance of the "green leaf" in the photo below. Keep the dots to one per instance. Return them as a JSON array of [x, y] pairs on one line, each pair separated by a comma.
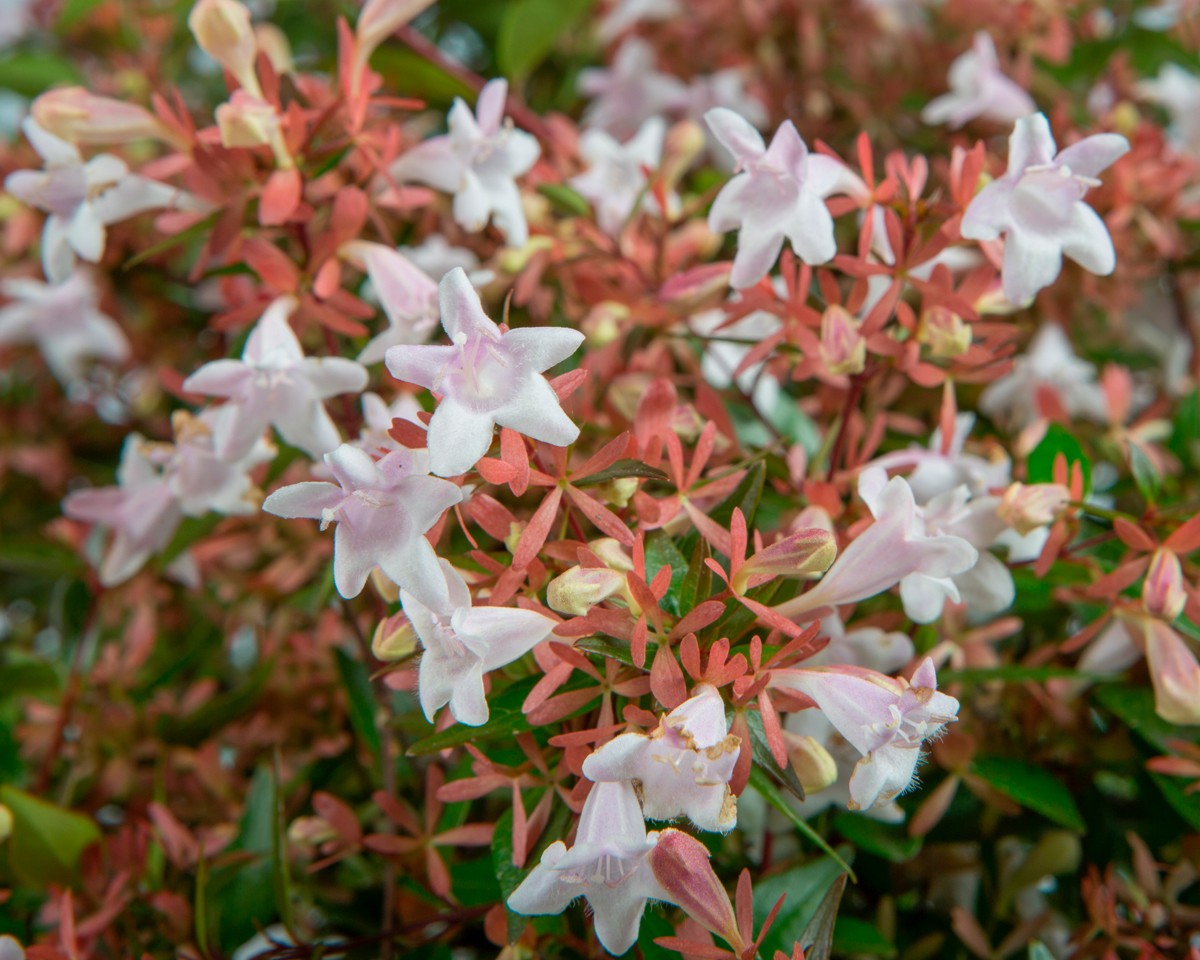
[[414, 76], [47, 841], [771, 793], [529, 30], [885, 840], [1058, 441], [1145, 474], [607, 647], [1135, 707], [662, 552], [27, 678], [745, 497], [567, 201], [38, 558], [508, 875], [1031, 787], [855, 935], [1008, 673], [357, 683], [619, 470], [696, 586], [30, 74], [805, 888], [764, 758], [281, 879], [817, 940], [1039, 951]]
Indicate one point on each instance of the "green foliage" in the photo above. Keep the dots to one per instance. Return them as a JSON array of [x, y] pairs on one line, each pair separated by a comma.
[[1031, 786], [805, 888], [528, 30], [1058, 441], [47, 841]]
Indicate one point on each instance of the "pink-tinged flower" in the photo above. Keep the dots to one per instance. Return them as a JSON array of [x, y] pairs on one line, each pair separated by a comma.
[[383, 510], [777, 193], [63, 320], [1178, 90], [684, 765], [1164, 591], [276, 384], [681, 864], [897, 545], [248, 121], [724, 88], [200, 479], [843, 347], [223, 30], [1038, 207], [462, 643], [407, 294], [477, 161], [79, 116], [887, 720], [82, 199], [141, 511], [437, 257], [630, 91], [623, 14], [978, 88], [615, 181], [1174, 673], [487, 377], [940, 470], [16, 20], [607, 866], [883, 650], [1049, 373]]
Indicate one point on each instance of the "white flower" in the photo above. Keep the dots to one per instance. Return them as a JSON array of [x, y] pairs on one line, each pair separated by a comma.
[[1178, 90], [979, 89], [615, 181]]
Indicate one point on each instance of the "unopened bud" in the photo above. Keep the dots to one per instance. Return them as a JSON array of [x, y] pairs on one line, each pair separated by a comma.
[[843, 347], [394, 639], [684, 142], [612, 553], [247, 121], [311, 831], [223, 30], [274, 43], [380, 19], [944, 332], [618, 492], [79, 116], [581, 588], [680, 864], [1026, 507], [1163, 592], [814, 765], [804, 554], [1174, 673], [602, 325]]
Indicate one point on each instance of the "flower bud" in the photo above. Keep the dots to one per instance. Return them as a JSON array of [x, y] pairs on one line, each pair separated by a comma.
[[394, 639], [1174, 673], [311, 831], [79, 116], [247, 121], [612, 553], [684, 142], [6, 823], [680, 864], [1026, 507], [223, 30], [814, 765], [380, 19], [618, 492], [843, 347], [274, 43], [602, 325], [944, 332], [581, 588], [804, 554], [1163, 592]]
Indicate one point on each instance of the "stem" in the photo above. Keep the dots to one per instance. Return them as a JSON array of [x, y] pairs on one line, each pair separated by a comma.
[[852, 397]]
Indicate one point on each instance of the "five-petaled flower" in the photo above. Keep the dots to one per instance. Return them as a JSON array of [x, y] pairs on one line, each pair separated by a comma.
[[463, 642], [275, 383], [487, 377], [978, 88], [477, 161], [1038, 207], [777, 192], [887, 720], [383, 510], [607, 866], [684, 766]]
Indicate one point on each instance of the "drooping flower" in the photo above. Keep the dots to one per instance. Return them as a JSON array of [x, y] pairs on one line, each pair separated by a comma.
[[940, 468], [887, 720], [383, 510], [276, 384], [683, 766], [487, 377], [477, 161], [615, 181], [777, 193], [462, 643], [894, 547], [82, 199], [1037, 206], [63, 320], [607, 866], [978, 88]]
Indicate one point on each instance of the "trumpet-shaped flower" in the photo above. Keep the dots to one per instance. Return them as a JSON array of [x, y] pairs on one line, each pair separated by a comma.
[[275, 383], [462, 643], [407, 294], [63, 320], [615, 181], [684, 766], [777, 193], [607, 866], [477, 161], [1178, 90], [978, 88], [1038, 207], [896, 546], [630, 91], [487, 377], [81, 199], [383, 510], [885, 719]]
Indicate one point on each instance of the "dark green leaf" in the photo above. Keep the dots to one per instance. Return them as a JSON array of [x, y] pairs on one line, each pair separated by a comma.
[[363, 708], [745, 497], [857, 936], [1032, 787], [885, 840], [221, 710], [662, 552], [32, 73], [1058, 441], [508, 875], [805, 889], [46, 841], [817, 940], [620, 469], [529, 30], [772, 794], [696, 586], [763, 757], [607, 647], [565, 199]]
